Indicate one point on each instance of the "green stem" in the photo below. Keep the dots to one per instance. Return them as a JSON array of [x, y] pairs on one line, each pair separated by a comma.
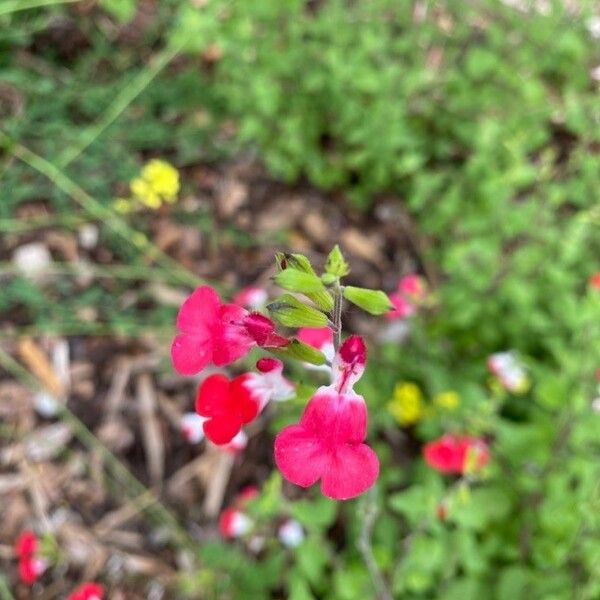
[[18, 5], [338, 302]]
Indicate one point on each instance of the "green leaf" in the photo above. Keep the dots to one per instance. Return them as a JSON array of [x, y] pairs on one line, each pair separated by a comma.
[[299, 281], [314, 514], [291, 312], [300, 351], [375, 302], [336, 265], [312, 558], [122, 10]]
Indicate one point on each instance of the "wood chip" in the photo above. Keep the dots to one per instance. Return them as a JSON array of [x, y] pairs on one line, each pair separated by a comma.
[[37, 362], [151, 434]]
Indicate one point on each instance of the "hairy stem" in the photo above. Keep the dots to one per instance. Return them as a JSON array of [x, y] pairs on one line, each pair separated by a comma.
[[369, 514]]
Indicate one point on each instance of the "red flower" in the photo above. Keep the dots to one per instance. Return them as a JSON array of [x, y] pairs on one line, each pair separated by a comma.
[[227, 405], [595, 281], [211, 332], [88, 591], [30, 569], [30, 566], [234, 523], [452, 453], [320, 338], [26, 544], [327, 444]]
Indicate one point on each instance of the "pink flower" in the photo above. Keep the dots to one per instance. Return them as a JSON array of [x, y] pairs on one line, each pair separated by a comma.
[[88, 591], [262, 331], [251, 297], [320, 338], [211, 332], [402, 307], [327, 444], [234, 523], [595, 281], [411, 291], [226, 405], [453, 453], [413, 287]]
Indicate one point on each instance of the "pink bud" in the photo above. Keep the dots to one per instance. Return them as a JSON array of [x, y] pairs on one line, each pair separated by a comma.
[[262, 330]]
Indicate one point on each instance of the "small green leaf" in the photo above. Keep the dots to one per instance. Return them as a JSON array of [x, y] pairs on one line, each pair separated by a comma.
[[291, 312], [299, 281], [300, 351], [122, 10], [375, 302], [336, 265]]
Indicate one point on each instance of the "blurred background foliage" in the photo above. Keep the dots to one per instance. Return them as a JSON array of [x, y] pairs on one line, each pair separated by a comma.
[[482, 120]]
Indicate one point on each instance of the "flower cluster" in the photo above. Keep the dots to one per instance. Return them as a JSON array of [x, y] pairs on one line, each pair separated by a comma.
[[31, 565], [408, 406], [455, 454], [157, 184], [327, 445]]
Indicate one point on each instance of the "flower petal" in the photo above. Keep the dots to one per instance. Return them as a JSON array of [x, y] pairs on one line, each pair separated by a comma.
[[352, 469], [190, 353], [213, 399], [299, 455], [221, 430], [199, 312], [243, 400]]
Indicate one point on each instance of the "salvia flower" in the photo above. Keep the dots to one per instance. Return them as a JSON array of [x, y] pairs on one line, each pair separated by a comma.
[[407, 405], [411, 292], [327, 443], [595, 281], [31, 566], [210, 332], [291, 533], [456, 454], [88, 591], [227, 405], [251, 297], [509, 371], [234, 523]]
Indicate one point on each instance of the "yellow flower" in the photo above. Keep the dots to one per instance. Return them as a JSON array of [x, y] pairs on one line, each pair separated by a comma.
[[447, 400], [163, 178], [407, 405], [158, 182]]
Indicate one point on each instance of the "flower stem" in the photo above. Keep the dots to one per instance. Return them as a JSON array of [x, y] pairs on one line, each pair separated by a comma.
[[337, 317], [369, 511]]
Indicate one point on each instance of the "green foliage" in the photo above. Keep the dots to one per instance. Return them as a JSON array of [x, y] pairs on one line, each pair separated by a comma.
[[374, 302]]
